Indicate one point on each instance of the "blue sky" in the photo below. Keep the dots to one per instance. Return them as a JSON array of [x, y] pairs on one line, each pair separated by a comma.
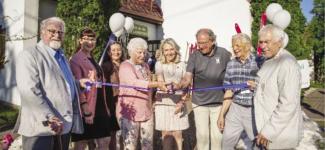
[[307, 6]]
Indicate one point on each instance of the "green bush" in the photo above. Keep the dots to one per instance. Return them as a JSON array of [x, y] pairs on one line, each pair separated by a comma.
[[91, 13], [8, 115], [320, 144], [317, 84]]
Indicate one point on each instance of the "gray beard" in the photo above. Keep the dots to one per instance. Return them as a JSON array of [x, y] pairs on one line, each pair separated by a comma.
[[55, 44]]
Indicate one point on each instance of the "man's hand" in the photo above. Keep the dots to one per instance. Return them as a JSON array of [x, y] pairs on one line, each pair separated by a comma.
[[251, 84], [221, 123], [261, 140], [185, 81], [56, 125]]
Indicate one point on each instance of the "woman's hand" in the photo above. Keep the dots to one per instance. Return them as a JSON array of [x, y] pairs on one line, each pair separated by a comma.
[[88, 116], [89, 119], [92, 75], [161, 85], [176, 86], [91, 78], [179, 107]]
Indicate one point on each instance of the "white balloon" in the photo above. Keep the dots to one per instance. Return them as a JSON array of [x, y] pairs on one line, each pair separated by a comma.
[[116, 22], [119, 32], [271, 10], [282, 19], [129, 24], [285, 40]]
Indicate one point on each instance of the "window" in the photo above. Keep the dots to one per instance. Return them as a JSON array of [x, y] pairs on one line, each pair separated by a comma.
[[153, 45]]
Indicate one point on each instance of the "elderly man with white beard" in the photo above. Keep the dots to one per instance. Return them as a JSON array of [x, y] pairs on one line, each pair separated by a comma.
[[49, 99]]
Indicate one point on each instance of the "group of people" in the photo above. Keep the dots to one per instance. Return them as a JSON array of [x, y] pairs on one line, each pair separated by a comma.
[[55, 107]]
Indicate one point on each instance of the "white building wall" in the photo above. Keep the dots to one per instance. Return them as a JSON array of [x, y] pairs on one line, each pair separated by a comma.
[[21, 23], [31, 23], [182, 19], [14, 24]]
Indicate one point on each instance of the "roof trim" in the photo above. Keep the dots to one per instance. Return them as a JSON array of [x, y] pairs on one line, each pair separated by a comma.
[[142, 16]]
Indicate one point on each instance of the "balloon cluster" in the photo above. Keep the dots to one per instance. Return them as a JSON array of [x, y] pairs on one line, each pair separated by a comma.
[[279, 17], [120, 24]]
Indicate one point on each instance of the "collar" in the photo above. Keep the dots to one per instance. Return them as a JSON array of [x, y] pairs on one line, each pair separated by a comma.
[[277, 54], [213, 51], [82, 54], [135, 65], [249, 59], [51, 50]]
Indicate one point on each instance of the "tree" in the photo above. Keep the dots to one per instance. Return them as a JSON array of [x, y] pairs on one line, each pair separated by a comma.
[[316, 40], [3, 60], [295, 30], [86, 13]]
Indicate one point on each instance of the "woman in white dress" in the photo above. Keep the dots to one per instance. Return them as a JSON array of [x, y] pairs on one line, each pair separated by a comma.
[[170, 70]]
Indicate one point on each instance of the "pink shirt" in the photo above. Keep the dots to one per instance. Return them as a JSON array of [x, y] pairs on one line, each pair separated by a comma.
[[134, 104]]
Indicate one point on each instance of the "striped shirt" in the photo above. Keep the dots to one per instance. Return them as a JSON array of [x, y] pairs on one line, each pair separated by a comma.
[[237, 73]]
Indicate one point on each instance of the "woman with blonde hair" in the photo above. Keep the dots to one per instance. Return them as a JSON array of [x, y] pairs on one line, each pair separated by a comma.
[[169, 119]]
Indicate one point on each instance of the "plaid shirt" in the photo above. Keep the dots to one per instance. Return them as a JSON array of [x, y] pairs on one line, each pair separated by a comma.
[[237, 73]]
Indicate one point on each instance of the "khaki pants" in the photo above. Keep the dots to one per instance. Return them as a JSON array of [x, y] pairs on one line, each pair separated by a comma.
[[238, 119], [207, 131]]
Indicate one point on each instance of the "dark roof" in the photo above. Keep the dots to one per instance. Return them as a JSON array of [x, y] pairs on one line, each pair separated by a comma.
[[144, 10]]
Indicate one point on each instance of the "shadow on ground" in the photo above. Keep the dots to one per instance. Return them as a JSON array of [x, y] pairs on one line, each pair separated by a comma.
[[312, 110]]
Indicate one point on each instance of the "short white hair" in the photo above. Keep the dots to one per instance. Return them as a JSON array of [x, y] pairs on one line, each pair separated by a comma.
[[277, 33], [136, 43], [48, 21]]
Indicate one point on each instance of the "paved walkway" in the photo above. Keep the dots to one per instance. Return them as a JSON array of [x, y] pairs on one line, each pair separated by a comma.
[[314, 104]]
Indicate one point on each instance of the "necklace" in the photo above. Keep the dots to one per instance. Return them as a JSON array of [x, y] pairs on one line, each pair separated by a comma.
[[170, 69], [144, 73]]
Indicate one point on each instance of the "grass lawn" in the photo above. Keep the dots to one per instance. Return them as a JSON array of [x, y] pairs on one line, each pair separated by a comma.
[[8, 116]]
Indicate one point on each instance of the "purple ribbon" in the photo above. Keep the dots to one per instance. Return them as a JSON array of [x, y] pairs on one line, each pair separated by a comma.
[[229, 86]]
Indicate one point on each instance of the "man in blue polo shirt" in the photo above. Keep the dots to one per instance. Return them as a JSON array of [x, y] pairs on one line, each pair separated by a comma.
[[206, 67]]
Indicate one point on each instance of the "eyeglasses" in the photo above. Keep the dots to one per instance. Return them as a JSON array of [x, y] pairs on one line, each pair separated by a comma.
[[203, 43], [115, 42], [53, 31], [89, 39], [265, 42]]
